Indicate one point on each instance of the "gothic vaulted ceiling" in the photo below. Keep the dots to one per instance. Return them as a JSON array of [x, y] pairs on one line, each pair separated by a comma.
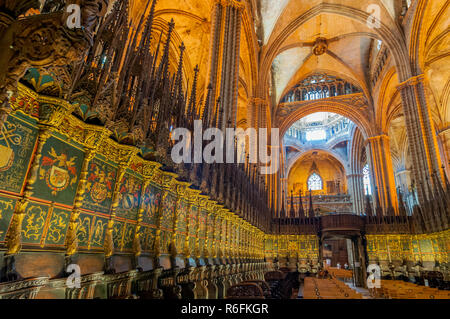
[[290, 30], [278, 39]]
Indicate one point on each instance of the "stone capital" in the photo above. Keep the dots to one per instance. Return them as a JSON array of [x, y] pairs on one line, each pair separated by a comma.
[[258, 101], [379, 137], [233, 3], [411, 81], [404, 171], [355, 175], [444, 132]]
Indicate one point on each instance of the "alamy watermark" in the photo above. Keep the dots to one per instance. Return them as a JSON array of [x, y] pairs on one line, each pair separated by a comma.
[[189, 148], [74, 279]]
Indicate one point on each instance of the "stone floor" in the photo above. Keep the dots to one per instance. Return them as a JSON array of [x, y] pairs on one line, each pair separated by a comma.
[[364, 292]]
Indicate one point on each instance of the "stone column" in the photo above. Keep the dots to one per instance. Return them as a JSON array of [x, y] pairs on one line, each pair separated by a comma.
[[383, 172], [253, 112], [230, 59], [403, 179], [224, 56], [444, 137], [356, 190], [421, 134], [214, 55]]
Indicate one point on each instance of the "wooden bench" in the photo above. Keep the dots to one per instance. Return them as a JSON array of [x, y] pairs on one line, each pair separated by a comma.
[[245, 290], [396, 289], [328, 289], [264, 287]]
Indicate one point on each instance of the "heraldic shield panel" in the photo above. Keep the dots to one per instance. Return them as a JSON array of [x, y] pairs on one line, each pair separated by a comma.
[[129, 196], [59, 171], [99, 186], [17, 141]]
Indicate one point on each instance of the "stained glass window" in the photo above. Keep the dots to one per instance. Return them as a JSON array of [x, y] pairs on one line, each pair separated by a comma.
[[315, 182]]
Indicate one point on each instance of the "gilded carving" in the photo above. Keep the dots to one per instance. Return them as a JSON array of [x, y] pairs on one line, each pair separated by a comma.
[[6, 211], [14, 235]]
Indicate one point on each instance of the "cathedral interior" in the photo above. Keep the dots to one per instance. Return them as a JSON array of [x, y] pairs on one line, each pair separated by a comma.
[[93, 205]]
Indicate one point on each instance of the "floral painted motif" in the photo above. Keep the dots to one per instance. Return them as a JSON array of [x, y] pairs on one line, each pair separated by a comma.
[[6, 210], [57, 227], [33, 223], [84, 229], [98, 233]]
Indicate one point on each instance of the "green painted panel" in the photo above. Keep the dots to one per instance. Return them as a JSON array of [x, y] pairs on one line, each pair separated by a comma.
[[202, 223], [84, 225], [415, 244], [117, 233], [129, 195], [57, 227], [165, 241], [143, 237], [17, 140], [58, 172], [150, 238], [7, 206], [179, 242], [99, 186], [34, 222], [425, 246], [406, 245], [168, 211], [98, 232], [193, 221], [128, 236], [152, 199], [182, 215]]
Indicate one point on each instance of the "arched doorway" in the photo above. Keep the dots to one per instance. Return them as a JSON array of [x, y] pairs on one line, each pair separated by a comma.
[[341, 240]]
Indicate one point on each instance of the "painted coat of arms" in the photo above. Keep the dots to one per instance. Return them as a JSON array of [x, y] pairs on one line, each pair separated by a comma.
[[152, 199], [168, 210], [9, 137], [58, 171], [100, 183], [129, 196], [17, 141]]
